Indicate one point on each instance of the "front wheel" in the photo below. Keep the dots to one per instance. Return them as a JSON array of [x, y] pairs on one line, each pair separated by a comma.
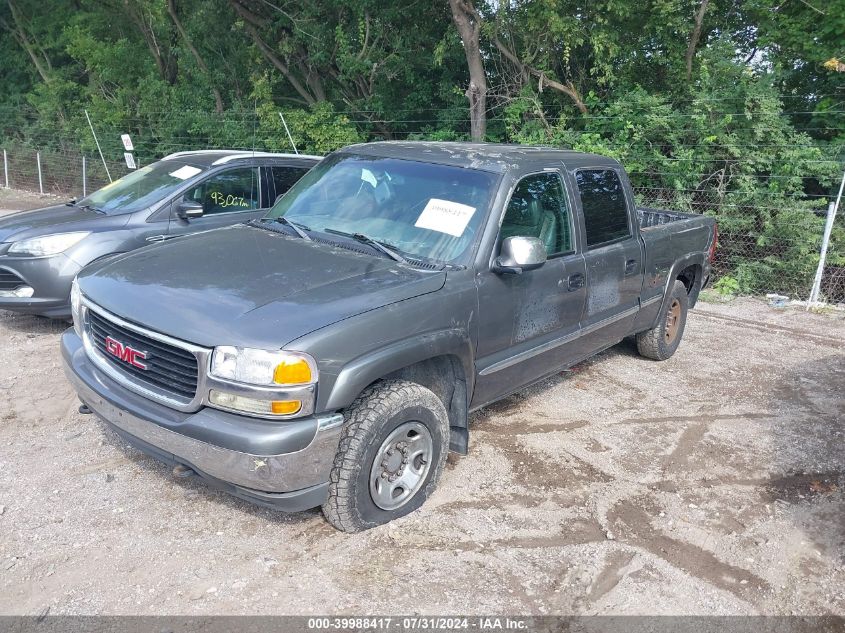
[[660, 342], [391, 453]]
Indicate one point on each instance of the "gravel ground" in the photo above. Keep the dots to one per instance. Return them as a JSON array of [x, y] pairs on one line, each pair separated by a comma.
[[14, 200], [711, 483], [708, 484]]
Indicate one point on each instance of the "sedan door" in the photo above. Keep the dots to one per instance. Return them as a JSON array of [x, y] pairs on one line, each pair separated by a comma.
[[228, 197], [525, 321]]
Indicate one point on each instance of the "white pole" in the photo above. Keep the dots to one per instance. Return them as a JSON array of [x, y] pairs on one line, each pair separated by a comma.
[[6, 167], [290, 138], [40, 183], [98, 145], [828, 228], [84, 178]]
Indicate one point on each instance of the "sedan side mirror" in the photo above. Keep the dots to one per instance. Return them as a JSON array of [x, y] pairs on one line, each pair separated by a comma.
[[518, 254], [187, 210]]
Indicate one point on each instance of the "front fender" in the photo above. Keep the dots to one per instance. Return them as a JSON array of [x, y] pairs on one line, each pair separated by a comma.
[[357, 374]]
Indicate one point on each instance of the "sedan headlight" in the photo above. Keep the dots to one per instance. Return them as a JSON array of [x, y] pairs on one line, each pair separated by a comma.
[[48, 244], [262, 367]]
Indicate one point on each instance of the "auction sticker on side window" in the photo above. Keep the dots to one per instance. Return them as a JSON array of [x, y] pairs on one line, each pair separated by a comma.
[[185, 172], [445, 216]]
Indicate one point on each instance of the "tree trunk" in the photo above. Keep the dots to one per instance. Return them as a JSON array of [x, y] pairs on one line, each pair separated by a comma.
[[696, 35], [218, 98], [468, 22], [568, 89], [165, 63], [20, 35], [250, 20]]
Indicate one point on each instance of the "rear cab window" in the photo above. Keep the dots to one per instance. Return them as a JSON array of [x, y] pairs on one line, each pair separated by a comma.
[[604, 205]]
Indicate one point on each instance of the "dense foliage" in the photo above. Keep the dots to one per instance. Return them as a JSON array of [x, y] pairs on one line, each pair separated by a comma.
[[728, 108]]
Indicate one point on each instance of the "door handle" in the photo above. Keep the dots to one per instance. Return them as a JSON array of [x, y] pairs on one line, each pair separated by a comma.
[[576, 281], [630, 266]]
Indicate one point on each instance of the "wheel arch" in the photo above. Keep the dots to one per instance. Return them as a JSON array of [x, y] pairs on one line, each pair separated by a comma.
[[689, 270], [440, 361]]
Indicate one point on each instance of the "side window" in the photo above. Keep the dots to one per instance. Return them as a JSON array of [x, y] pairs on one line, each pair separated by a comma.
[[538, 208], [603, 201], [285, 177], [227, 192]]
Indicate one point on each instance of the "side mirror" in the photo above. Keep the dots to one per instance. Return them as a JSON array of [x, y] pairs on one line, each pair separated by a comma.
[[518, 254], [187, 210]]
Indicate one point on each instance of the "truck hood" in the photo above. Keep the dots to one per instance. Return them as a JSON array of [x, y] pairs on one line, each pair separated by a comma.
[[61, 218], [248, 287]]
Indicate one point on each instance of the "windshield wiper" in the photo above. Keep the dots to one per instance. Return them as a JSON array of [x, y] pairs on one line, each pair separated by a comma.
[[90, 207], [366, 239], [296, 227]]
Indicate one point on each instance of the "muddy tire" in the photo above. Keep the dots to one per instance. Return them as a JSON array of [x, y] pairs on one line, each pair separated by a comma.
[[660, 342], [392, 450]]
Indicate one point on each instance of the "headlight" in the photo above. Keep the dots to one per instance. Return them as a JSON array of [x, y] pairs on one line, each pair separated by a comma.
[[48, 244], [76, 306], [262, 367]]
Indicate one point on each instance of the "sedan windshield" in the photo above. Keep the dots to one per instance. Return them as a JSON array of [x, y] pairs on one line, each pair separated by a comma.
[[141, 188], [418, 209]]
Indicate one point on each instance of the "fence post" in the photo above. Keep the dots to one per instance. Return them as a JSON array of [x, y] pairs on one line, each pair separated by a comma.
[[828, 227], [40, 183], [6, 167], [84, 178]]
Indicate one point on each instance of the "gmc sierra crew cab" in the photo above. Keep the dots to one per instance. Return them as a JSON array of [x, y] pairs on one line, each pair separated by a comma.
[[329, 353]]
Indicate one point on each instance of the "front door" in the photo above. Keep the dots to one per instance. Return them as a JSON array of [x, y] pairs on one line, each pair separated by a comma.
[[228, 197], [525, 320]]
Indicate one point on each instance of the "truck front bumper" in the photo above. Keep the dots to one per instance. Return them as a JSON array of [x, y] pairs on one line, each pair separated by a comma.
[[290, 480]]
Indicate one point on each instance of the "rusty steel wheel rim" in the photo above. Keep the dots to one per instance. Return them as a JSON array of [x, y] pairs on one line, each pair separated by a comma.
[[673, 321]]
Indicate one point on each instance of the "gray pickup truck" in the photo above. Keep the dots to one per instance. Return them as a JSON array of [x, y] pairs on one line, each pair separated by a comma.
[[330, 353], [42, 250]]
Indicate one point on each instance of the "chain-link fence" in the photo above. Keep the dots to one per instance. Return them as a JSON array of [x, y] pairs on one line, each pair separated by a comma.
[[61, 173], [768, 242]]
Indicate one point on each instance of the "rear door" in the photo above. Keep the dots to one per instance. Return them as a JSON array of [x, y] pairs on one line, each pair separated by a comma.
[[613, 257], [283, 177], [525, 320], [228, 197]]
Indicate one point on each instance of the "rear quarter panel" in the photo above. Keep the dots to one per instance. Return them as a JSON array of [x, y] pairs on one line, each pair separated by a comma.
[[669, 249]]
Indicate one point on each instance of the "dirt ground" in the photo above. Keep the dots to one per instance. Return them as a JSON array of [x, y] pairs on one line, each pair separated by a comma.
[[14, 200], [708, 484]]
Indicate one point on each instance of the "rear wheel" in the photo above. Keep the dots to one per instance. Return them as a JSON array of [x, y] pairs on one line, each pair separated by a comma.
[[660, 342], [391, 454]]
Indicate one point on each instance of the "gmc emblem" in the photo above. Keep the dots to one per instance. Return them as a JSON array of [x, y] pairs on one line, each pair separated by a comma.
[[125, 353]]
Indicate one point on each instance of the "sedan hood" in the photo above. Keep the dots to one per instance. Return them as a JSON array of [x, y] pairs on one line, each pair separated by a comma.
[[248, 286], [61, 218]]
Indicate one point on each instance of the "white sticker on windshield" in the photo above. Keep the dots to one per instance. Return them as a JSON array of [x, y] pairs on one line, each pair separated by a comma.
[[445, 216], [368, 176], [183, 173]]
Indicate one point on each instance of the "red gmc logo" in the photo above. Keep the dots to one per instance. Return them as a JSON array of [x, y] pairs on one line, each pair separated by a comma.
[[125, 353]]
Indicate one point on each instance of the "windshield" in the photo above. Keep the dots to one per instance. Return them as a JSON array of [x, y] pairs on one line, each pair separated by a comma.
[[141, 188], [420, 209]]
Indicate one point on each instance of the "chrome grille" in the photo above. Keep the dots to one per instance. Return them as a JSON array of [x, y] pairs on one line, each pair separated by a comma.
[[170, 370]]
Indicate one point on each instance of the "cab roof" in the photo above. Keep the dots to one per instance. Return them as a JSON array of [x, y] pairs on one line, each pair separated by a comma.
[[495, 157]]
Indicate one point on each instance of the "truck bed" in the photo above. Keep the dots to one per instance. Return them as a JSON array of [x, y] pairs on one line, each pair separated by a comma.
[[670, 236], [650, 217]]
